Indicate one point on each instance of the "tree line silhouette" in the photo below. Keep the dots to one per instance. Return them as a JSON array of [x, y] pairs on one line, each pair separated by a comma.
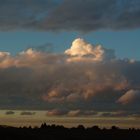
[[55, 132]]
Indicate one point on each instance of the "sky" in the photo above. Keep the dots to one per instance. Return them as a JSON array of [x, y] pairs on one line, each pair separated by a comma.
[[70, 59]]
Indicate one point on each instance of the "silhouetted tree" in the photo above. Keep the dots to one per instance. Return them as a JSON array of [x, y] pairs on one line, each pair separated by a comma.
[[43, 125], [55, 132], [114, 128], [81, 127]]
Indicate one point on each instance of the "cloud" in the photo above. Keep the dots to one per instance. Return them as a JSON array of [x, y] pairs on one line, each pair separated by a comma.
[[27, 113], [79, 15], [9, 112], [130, 96], [4, 54], [56, 112], [116, 114], [47, 47], [24, 14], [124, 114], [40, 80], [76, 113], [81, 49], [71, 113], [91, 15]]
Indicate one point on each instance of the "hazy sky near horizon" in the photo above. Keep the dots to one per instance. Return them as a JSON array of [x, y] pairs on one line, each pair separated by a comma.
[[70, 57], [35, 118]]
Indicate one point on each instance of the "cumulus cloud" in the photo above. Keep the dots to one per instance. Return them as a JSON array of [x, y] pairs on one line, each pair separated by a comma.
[[81, 49], [79, 15], [130, 96], [40, 80]]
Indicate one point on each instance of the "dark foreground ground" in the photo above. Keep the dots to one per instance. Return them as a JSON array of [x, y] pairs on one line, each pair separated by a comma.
[[46, 132]]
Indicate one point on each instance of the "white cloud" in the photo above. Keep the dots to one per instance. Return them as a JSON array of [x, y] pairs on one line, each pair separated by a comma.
[[82, 51]]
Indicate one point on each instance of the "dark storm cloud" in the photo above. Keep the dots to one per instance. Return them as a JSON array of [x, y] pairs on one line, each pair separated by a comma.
[[79, 15]]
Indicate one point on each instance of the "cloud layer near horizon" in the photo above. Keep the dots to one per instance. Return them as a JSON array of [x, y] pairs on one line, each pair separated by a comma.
[[70, 15], [84, 79]]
